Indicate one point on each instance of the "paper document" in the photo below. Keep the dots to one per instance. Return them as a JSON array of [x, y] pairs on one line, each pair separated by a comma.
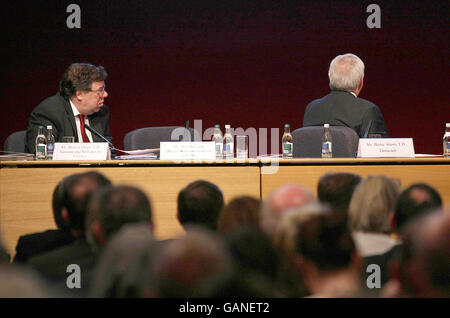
[[140, 152]]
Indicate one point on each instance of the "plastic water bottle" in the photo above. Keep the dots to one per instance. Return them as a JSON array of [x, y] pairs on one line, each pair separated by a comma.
[[327, 142], [218, 139], [41, 144], [50, 142], [286, 142], [228, 143], [446, 141]]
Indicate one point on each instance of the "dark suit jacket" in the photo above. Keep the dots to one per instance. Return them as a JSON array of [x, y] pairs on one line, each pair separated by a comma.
[[340, 108], [56, 111], [37, 243], [52, 266]]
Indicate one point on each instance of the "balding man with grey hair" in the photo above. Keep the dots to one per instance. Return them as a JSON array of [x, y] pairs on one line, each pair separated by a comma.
[[342, 106], [281, 200]]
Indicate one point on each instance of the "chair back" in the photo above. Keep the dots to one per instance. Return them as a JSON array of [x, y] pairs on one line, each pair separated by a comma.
[[15, 142], [150, 137], [308, 142]]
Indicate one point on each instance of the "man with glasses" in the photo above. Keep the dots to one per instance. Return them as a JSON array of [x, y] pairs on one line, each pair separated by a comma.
[[79, 102]]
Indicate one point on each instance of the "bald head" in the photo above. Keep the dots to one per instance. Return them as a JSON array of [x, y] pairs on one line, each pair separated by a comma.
[[281, 200]]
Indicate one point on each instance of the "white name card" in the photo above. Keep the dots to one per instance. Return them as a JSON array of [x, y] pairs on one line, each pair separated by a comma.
[[187, 150], [386, 148], [81, 151]]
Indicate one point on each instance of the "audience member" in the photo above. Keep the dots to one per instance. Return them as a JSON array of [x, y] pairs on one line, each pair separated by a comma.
[[278, 202], [53, 265], [125, 264], [325, 254], [4, 255], [113, 207], [423, 266], [336, 189], [256, 257], [36, 243], [370, 213], [373, 202], [240, 212], [19, 282], [200, 203], [414, 201], [196, 264]]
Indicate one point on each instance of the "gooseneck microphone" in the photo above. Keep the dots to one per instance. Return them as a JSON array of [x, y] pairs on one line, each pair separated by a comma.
[[95, 132]]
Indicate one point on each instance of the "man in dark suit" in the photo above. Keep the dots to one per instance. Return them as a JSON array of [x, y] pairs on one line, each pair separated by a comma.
[[54, 266], [30, 245], [80, 101], [342, 106]]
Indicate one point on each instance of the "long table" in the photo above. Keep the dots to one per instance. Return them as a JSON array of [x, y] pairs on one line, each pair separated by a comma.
[[26, 187]]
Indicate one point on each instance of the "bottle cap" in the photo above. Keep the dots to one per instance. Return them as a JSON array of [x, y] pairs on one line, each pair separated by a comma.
[[326, 125], [216, 126], [227, 126], [49, 127], [287, 125], [447, 125]]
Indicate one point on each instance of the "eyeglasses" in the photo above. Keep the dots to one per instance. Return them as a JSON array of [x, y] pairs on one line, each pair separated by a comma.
[[99, 91]]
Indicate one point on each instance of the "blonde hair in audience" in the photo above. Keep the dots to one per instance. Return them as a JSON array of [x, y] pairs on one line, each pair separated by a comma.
[[372, 202]]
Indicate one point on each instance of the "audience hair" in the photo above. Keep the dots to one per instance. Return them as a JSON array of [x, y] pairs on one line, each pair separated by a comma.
[[417, 199], [279, 201], [240, 212], [200, 203], [78, 195], [124, 266], [196, 264], [59, 194], [373, 200], [113, 207], [326, 240], [425, 254], [336, 189]]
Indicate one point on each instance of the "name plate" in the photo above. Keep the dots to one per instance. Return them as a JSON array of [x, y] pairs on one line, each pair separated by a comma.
[[386, 148], [81, 151], [187, 150]]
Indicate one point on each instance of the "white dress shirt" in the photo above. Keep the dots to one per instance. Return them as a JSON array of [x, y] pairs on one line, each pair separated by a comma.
[[77, 122]]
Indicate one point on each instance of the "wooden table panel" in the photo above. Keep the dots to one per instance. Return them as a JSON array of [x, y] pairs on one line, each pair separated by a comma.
[[436, 175], [25, 193]]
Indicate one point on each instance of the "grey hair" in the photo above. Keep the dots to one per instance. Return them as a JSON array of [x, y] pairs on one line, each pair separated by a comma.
[[345, 72]]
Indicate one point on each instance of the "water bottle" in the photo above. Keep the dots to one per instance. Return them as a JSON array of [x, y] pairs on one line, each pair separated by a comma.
[[50, 142], [218, 139], [41, 144], [446, 141], [286, 142], [228, 143], [327, 142]]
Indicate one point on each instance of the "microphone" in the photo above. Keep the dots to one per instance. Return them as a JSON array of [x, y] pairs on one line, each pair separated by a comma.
[[367, 129], [95, 132]]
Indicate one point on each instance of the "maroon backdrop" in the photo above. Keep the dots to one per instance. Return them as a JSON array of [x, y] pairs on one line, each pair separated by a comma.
[[244, 63]]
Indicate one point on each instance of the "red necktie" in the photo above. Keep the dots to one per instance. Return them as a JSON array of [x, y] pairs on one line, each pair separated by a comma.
[[83, 130]]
